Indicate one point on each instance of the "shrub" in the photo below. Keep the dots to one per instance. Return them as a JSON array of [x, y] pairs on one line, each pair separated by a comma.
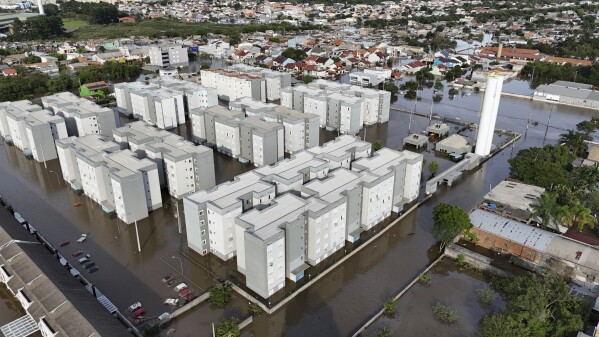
[[389, 307], [486, 295], [425, 278], [220, 295], [445, 314], [384, 332]]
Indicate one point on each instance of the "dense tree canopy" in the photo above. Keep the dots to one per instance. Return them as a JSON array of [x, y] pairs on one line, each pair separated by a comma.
[[536, 307], [449, 222], [37, 28], [543, 167]]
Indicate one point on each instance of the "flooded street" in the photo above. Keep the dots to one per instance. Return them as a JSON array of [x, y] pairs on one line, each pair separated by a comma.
[[341, 301], [414, 315]]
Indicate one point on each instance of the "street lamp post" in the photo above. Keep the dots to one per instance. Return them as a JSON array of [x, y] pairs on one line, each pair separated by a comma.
[[137, 235], [180, 262], [57, 177]]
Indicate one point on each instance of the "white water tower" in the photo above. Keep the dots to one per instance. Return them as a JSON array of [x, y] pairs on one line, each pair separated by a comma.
[[488, 116], [40, 7]]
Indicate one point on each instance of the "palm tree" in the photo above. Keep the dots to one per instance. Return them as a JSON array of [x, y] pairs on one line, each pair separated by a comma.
[[583, 216], [544, 209], [575, 141], [565, 215]]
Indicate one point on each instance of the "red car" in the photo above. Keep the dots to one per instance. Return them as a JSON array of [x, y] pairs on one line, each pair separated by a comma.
[[183, 293], [77, 253], [190, 297], [63, 243], [76, 204], [138, 313]]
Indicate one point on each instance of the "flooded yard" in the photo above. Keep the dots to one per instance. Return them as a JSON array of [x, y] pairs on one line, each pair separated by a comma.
[[451, 286]]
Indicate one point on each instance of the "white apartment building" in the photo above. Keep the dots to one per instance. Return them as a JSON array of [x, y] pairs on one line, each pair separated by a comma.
[[158, 107], [195, 95], [183, 167], [122, 93], [329, 100], [117, 181], [301, 129], [275, 80], [261, 244], [168, 56], [67, 149], [210, 214], [82, 116], [187, 167], [369, 76], [406, 166], [232, 85], [277, 234], [16, 106], [34, 132], [247, 138]]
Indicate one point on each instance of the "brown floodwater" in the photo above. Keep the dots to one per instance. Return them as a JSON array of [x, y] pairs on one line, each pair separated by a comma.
[[337, 305]]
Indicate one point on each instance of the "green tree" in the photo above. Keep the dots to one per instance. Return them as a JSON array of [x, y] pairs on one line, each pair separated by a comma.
[[307, 79], [536, 306], [104, 14], [588, 127], [545, 167], [575, 140], [545, 208], [433, 167], [582, 215], [227, 328], [449, 221], [32, 59], [51, 10], [439, 85], [296, 54], [389, 62], [377, 145], [220, 295], [37, 28]]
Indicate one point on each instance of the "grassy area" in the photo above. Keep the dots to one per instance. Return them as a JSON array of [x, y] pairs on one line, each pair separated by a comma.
[[158, 28], [73, 23]]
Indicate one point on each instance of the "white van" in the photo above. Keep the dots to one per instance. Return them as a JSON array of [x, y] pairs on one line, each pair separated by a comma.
[[180, 287]]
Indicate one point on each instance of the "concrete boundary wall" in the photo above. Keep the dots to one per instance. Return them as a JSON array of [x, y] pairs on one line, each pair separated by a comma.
[[326, 272], [397, 297]]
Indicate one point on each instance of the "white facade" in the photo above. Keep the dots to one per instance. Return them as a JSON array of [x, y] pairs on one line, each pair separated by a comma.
[[67, 149], [117, 181], [275, 80], [232, 85], [289, 231], [83, 117], [168, 56], [34, 132], [195, 95], [486, 128]]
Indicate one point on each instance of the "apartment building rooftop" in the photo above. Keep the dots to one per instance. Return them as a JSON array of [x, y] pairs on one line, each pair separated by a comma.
[[176, 147], [40, 117], [380, 162], [267, 222], [331, 188], [219, 111], [344, 98], [341, 146], [293, 167], [92, 143], [260, 125], [227, 194], [288, 114], [140, 132], [251, 105]]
